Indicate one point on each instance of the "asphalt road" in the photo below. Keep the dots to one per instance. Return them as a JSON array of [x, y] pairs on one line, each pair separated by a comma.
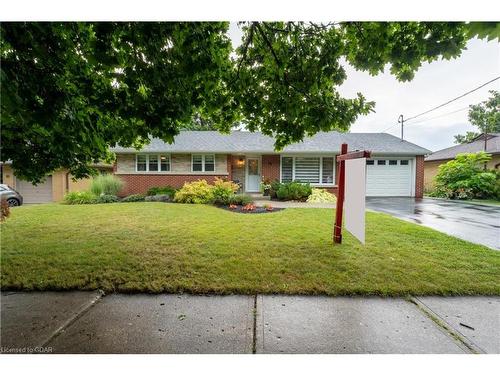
[[471, 222]]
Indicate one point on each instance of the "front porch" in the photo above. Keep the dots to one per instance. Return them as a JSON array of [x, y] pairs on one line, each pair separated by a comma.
[[248, 170]]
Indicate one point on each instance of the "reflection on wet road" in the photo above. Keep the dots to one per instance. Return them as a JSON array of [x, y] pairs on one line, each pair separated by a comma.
[[471, 222]]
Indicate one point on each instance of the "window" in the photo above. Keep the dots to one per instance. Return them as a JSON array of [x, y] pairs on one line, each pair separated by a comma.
[[393, 162], [286, 169], [311, 169], [164, 163], [141, 163], [380, 162], [203, 163], [403, 162], [370, 162], [328, 165], [151, 163]]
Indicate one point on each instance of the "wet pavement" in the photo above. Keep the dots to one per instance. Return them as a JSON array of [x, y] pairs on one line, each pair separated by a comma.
[[90, 322], [471, 222]]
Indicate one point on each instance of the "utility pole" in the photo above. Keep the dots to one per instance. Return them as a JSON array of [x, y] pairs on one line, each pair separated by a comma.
[[401, 121]]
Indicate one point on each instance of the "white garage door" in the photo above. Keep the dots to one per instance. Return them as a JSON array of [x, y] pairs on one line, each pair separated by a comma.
[[41, 193], [389, 178]]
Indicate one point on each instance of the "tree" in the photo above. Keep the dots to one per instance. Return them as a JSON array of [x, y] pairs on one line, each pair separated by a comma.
[[465, 178], [485, 116], [71, 90]]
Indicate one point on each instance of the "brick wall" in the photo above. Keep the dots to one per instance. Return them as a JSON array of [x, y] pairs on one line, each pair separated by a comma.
[[419, 176], [271, 167], [140, 183]]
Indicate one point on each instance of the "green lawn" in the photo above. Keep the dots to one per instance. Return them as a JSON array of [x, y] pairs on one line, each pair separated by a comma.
[[158, 247]]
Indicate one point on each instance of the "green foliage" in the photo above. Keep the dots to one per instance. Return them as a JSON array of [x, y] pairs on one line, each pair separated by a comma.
[[485, 116], [106, 198], [163, 190], [321, 196], [275, 185], [158, 198], [195, 192], [465, 178], [223, 191], [241, 199], [134, 198], [109, 83], [106, 184], [293, 191], [79, 197]]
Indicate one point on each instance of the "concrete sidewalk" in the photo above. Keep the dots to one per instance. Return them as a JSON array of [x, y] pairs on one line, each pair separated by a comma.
[[89, 322]]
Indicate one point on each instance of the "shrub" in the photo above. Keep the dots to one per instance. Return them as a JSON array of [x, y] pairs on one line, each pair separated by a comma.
[[4, 210], [106, 198], [158, 198], [240, 199], [321, 196], [223, 191], [275, 186], [465, 178], [294, 191], [194, 192], [79, 197], [163, 190], [134, 198], [106, 184]]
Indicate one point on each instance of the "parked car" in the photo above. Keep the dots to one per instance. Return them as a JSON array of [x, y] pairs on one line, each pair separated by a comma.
[[12, 197]]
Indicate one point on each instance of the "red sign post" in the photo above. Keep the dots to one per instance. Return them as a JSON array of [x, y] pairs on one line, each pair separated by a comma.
[[344, 155]]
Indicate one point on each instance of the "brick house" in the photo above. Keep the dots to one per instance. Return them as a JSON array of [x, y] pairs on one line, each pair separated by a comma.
[[396, 167]]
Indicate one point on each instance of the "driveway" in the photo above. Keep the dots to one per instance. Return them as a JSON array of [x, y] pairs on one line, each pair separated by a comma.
[[471, 222]]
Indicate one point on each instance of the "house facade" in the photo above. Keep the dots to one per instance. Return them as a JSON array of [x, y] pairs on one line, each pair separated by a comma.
[[395, 169], [434, 160], [53, 188]]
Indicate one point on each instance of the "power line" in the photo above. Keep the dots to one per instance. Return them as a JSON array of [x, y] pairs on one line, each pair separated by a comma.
[[452, 100], [436, 117]]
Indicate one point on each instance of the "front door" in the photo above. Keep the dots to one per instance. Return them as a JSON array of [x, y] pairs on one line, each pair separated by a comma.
[[253, 175]]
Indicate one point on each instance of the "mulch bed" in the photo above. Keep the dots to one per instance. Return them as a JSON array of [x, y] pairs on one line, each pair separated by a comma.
[[258, 210]]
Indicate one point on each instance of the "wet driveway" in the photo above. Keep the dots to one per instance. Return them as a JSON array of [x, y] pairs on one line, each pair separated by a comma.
[[472, 222]]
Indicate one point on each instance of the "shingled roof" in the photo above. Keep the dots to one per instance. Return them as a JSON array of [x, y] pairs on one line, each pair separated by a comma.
[[493, 147], [248, 142]]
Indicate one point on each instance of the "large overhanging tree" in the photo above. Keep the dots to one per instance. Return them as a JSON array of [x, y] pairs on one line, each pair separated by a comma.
[[69, 91]]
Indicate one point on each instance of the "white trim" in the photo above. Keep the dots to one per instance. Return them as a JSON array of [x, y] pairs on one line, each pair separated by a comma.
[[320, 156], [147, 171], [203, 163]]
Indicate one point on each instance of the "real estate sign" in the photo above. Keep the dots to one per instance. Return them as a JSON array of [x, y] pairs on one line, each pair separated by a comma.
[[355, 194]]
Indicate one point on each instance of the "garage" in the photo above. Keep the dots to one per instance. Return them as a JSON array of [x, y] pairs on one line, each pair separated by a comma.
[[389, 177], [41, 193]]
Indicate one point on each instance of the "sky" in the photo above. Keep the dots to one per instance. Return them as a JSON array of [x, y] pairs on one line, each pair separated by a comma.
[[434, 83]]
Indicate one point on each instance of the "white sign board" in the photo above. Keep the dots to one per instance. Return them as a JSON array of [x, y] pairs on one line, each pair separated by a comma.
[[354, 197]]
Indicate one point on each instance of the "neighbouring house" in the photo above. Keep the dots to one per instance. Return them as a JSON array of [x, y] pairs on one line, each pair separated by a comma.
[[395, 169], [434, 160], [53, 188]]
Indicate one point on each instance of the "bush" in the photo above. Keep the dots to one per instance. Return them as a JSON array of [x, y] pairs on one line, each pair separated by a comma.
[[275, 186], [4, 210], [465, 178], [158, 198], [79, 197], [241, 199], [163, 190], [106, 198], [134, 198], [293, 191], [321, 196], [223, 191], [194, 192], [106, 184]]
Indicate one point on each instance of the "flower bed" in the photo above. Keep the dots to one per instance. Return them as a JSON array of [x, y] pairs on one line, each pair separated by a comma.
[[251, 209]]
